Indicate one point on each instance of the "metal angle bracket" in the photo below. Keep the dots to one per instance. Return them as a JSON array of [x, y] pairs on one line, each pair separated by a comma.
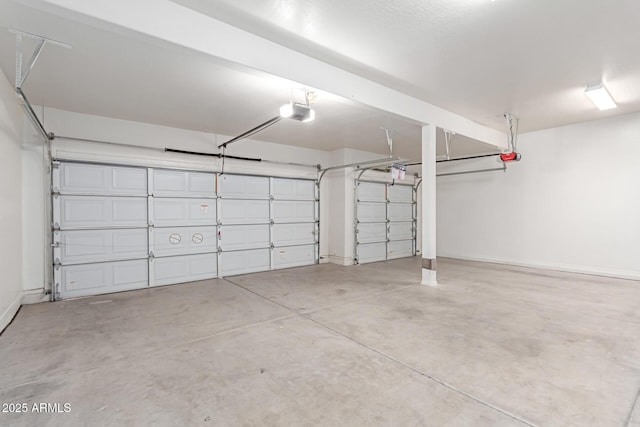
[[21, 75]]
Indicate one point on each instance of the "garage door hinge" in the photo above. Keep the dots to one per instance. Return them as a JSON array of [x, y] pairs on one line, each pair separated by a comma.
[[272, 245], [55, 245], [151, 224], [55, 164], [271, 221], [56, 226], [57, 264]]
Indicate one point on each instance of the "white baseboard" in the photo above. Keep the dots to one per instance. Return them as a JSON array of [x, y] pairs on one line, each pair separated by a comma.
[[10, 312], [340, 260], [35, 296], [580, 269]]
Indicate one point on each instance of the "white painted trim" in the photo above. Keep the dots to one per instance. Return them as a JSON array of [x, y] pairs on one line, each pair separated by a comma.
[[341, 260], [35, 296], [219, 39], [579, 269], [429, 277], [10, 312]]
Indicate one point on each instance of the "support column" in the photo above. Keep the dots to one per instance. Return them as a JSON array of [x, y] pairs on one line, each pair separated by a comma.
[[429, 205]]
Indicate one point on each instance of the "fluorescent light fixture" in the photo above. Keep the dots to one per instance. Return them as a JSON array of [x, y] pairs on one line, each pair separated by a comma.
[[295, 111], [600, 97]]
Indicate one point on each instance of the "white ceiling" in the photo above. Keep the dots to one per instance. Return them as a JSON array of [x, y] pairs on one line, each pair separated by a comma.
[[109, 74], [476, 58]]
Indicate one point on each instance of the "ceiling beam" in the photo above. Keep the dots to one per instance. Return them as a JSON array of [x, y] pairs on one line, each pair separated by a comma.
[[171, 22]]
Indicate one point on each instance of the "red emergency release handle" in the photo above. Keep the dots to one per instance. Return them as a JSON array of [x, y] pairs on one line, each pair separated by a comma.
[[510, 157]]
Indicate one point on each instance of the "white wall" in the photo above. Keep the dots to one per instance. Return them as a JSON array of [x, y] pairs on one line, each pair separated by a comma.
[[572, 203], [36, 223], [10, 202]]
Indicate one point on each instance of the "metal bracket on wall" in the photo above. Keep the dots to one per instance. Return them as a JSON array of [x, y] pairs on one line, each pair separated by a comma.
[[21, 76]]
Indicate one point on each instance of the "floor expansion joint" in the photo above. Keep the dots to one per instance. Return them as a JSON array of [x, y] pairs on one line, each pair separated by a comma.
[[396, 361]]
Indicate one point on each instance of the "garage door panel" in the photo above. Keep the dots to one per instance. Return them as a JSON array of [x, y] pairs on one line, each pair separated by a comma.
[[372, 232], [91, 279], [400, 249], [170, 183], [400, 212], [294, 234], [186, 268], [294, 256], [177, 212], [237, 237], [75, 178], [371, 252], [372, 212], [400, 230], [172, 241], [293, 189], [400, 193], [371, 192], [241, 262], [244, 187], [99, 212], [244, 211], [294, 211], [84, 246]]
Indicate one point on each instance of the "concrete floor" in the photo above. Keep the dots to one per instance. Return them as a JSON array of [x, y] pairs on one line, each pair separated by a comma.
[[327, 345]]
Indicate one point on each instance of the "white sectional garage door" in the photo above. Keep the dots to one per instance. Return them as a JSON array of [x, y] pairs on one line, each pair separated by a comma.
[[183, 233], [119, 228], [385, 221], [100, 229], [294, 229], [266, 223]]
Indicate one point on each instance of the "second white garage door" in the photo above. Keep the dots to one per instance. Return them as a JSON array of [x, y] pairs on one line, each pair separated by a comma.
[[385, 221]]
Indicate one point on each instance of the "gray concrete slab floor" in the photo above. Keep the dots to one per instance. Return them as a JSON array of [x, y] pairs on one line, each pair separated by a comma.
[[491, 345]]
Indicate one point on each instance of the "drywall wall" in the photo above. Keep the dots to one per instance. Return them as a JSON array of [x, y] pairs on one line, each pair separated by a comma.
[[571, 204], [36, 204], [10, 202], [66, 123]]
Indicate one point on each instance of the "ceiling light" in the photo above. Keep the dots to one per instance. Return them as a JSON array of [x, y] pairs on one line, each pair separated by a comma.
[[296, 111], [600, 97]]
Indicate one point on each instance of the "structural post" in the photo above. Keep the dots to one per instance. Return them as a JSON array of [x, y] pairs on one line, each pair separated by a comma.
[[429, 205]]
